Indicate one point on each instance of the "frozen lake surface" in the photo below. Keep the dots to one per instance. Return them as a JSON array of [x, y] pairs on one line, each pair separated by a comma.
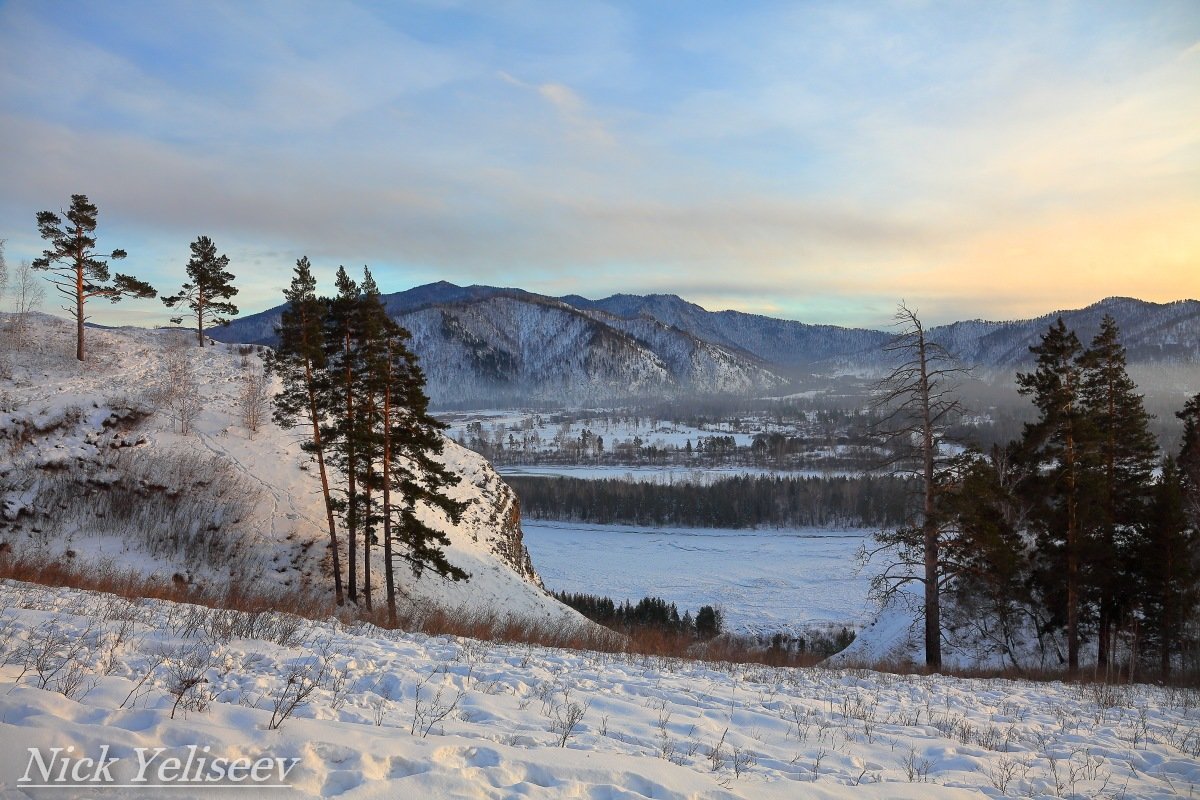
[[763, 580]]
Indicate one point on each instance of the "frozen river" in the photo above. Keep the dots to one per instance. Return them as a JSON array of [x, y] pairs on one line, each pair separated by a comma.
[[763, 580]]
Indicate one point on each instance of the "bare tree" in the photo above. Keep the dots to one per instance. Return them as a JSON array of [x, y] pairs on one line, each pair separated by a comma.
[[27, 295], [3, 269], [255, 399], [179, 391], [918, 400]]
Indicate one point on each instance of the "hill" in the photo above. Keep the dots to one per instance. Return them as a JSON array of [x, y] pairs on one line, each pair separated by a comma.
[[97, 473]]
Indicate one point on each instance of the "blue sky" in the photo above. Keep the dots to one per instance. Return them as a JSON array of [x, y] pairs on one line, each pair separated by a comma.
[[819, 161]]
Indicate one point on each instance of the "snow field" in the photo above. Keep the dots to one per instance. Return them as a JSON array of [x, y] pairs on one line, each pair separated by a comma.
[[392, 714]]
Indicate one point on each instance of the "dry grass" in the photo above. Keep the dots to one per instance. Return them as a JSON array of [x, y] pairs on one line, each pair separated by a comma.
[[648, 643]]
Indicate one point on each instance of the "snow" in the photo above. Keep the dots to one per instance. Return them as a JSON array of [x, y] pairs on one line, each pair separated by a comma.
[[648, 729], [764, 581]]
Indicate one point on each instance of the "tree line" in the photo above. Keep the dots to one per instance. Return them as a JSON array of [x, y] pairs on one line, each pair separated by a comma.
[[649, 612], [1079, 527], [81, 273], [353, 388], [743, 501]]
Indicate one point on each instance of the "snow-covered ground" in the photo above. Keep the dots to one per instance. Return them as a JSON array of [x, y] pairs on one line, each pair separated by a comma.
[[763, 580], [395, 715]]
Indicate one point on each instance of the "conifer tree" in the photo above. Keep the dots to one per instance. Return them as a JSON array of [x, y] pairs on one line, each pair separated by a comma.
[[209, 291], [300, 361], [1056, 445], [1189, 458], [80, 273], [1125, 455], [411, 472], [1170, 574], [370, 330], [341, 387]]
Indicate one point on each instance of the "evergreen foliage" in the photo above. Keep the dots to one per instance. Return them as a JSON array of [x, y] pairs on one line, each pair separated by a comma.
[[649, 612], [742, 501], [1056, 446], [209, 291], [79, 272], [351, 380], [299, 361], [1123, 453]]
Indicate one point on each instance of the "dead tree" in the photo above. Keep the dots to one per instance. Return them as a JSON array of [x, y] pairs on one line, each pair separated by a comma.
[[917, 400]]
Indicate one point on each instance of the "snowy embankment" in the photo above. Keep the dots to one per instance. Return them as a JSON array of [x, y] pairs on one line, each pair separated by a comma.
[[388, 714], [98, 472]]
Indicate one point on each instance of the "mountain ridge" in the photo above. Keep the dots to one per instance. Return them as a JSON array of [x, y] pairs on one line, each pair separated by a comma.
[[503, 344]]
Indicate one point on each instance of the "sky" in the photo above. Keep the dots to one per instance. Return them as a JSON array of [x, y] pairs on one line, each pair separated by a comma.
[[816, 161]]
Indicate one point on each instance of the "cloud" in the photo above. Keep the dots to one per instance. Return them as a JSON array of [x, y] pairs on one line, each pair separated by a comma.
[[829, 158]]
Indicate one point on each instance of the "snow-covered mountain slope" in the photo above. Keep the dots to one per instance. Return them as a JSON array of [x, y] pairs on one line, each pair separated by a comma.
[[96, 470], [484, 345], [394, 715], [514, 349]]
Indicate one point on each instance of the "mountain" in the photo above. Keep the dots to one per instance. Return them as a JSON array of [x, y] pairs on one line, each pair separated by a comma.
[[489, 345], [485, 345], [1153, 333], [96, 475]]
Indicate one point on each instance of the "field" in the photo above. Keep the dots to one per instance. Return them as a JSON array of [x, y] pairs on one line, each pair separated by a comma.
[[367, 713]]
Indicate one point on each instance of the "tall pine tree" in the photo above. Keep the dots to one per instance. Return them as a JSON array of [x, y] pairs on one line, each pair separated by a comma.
[[340, 404], [1169, 572], [1189, 458], [1125, 456], [80, 273], [299, 361], [209, 291], [1057, 447]]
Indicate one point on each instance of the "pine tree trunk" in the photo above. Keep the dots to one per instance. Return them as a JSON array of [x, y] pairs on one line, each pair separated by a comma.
[[388, 572], [1166, 627], [319, 446], [200, 316], [933, 609], [1103, 635], [79, 312], [1072, 561], [351, 470], [367, 531]]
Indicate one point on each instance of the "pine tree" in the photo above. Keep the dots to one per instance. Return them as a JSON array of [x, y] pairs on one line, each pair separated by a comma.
[[80, 274], [208, 292], [415, 475], [1056, 445], [343, 372], [1170, 575], [1189, 458], [985, 556], [1126, 453], [370, 330], [299, 360]]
